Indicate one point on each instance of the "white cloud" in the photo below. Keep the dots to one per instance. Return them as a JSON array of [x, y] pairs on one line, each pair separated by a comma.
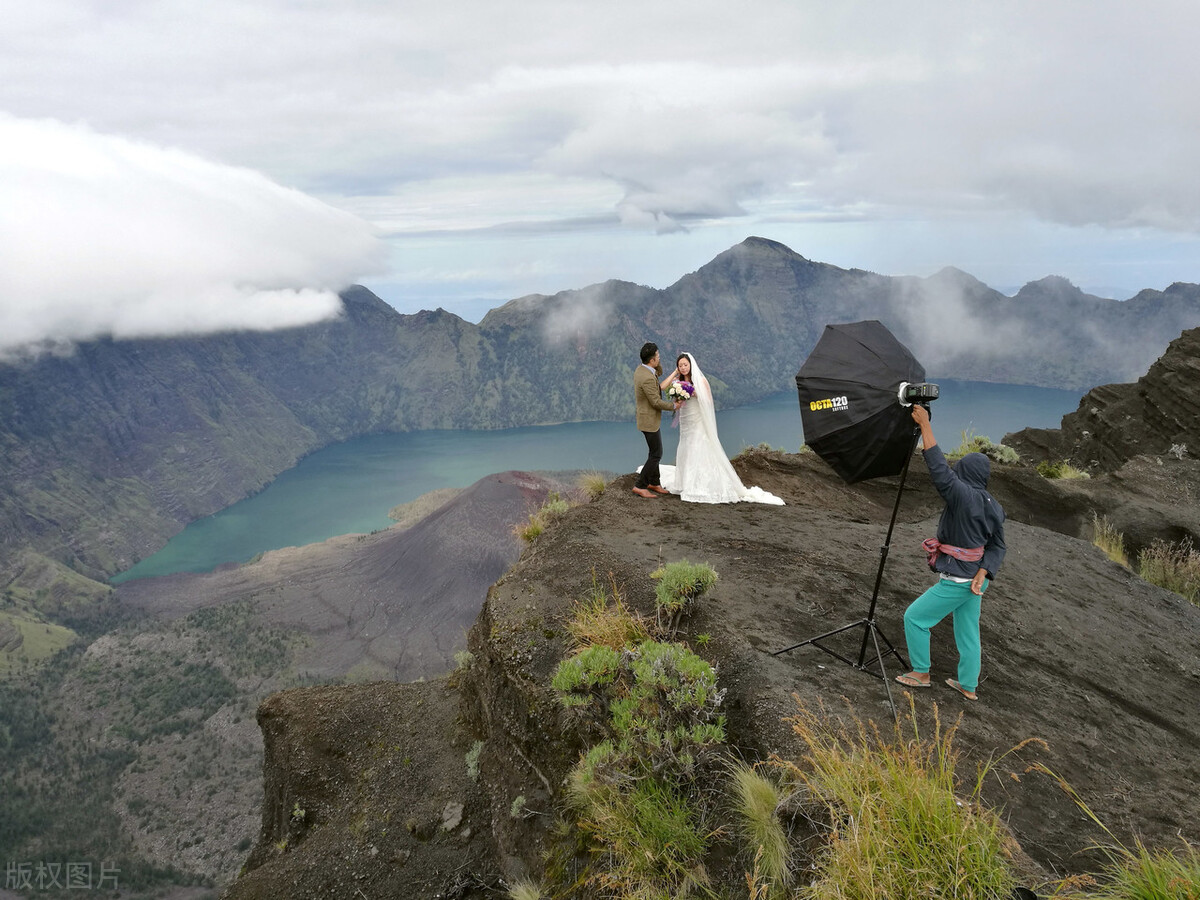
[[101, 235], [654, 118]]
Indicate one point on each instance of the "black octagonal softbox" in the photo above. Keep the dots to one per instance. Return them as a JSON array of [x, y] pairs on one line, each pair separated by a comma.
[[849, 404]]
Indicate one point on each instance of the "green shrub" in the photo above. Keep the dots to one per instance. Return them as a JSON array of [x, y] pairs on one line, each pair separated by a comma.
[[578, 676], [658, 702], [680, 584], [759, 449], [634, 793], [473, 760]]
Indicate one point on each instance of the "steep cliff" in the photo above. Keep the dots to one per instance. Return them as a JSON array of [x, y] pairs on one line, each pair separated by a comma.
[[1077, 651], [1158, 415]]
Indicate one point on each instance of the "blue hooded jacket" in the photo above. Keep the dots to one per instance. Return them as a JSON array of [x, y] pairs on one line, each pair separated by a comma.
[[972, 517]]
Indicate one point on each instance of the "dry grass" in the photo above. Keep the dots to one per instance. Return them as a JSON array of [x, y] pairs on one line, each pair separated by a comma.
[[1175, 567], [593, 484], [1108, 539], [603, 618], [902, 821], [525, 890]]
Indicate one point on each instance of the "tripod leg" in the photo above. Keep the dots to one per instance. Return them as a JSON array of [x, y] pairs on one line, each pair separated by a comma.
[[821, 637], [883, 672]]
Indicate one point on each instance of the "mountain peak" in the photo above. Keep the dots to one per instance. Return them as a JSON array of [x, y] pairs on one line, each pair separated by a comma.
[[766, 244], [1055, 285]]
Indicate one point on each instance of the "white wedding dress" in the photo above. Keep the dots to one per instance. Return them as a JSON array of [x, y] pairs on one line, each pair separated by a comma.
[[702, 472]]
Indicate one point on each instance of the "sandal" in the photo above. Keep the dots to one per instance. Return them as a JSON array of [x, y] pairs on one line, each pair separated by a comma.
[[970, 695], [909, 680]]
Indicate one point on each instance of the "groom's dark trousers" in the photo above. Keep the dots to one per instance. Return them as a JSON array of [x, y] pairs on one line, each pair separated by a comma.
[[649, 474]]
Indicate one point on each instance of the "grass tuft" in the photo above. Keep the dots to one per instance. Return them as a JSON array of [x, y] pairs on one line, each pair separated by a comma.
[[680, 584], [901, 824], [1175, 567], [603, 618], [1107, 538], [1061, 469], [593, 484], [554, 508], [756, 800], [1142, 874], [1138, 874]]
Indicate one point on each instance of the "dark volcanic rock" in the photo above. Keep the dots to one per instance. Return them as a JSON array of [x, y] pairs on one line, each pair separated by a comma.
[[1078, 652], [1158, 414]]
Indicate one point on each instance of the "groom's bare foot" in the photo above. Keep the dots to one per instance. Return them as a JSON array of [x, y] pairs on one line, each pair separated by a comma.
[[659, 489], [642, 492]]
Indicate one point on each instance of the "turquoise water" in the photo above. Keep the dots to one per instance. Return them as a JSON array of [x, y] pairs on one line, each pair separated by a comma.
[[348, 488]]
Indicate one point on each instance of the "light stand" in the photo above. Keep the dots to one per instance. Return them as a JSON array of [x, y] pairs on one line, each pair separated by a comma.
[[872, 633]]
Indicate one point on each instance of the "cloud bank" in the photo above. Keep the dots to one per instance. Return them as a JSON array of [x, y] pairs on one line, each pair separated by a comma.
[[1018, 136], [101, 235]]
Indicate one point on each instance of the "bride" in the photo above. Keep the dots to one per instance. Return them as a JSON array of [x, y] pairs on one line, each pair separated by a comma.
[[702, 472]]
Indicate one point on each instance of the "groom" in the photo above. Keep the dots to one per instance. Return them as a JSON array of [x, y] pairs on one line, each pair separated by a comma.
[[650, 407]]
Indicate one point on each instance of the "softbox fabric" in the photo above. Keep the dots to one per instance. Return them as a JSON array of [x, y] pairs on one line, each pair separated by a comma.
[[849, 404]]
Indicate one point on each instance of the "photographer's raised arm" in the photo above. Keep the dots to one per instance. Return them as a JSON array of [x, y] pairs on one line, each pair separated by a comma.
[[921, 416]]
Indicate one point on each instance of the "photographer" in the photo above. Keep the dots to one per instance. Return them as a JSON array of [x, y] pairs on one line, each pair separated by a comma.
[[965, 555]]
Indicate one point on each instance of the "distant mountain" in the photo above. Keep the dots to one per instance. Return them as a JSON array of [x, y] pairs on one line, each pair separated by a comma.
[[109, 451]]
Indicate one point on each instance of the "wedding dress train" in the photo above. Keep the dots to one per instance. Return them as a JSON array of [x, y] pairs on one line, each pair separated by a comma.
[[702, 472]]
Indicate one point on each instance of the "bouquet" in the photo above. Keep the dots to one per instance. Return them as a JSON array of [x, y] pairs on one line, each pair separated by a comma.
[[680, 390]]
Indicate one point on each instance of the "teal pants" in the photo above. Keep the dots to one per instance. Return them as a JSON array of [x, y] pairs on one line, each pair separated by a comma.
[[946, 598]]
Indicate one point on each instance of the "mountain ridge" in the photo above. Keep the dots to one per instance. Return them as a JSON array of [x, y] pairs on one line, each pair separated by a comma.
[[116, 447]]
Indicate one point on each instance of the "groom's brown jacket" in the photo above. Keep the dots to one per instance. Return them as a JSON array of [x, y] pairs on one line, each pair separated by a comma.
[[650, 403]]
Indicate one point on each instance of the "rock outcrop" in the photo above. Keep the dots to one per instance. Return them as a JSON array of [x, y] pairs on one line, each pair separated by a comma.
[[1156, 416], [1078, 652]]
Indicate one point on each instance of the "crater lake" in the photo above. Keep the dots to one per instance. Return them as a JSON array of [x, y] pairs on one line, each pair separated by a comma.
[[349, 488]]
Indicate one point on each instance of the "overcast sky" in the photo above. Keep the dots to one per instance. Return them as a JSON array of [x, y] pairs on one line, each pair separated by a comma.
[[169, 165]]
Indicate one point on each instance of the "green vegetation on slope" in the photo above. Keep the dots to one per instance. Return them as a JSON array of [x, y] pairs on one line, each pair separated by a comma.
[[141, 752]]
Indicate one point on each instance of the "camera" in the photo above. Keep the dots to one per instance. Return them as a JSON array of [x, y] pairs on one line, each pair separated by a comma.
[[921, 392]]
